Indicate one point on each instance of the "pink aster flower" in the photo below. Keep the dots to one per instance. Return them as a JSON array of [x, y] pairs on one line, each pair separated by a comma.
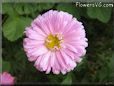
[[55, 42], [6, 79]]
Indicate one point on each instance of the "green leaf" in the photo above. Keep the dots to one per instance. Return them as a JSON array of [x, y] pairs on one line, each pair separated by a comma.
[[103, 73], [68, 79], [19, 8], [70, 8], [30, 8], [111, 66], [6, 66], [14, 28], [100, 13], [44, 6], [82, 11], [7, 8], [25, 8]]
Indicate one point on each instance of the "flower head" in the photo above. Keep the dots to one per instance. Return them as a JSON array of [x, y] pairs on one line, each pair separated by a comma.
[[55, 42], [6, 79]]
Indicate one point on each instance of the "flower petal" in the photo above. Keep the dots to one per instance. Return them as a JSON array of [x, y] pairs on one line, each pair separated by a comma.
[[45, 60]]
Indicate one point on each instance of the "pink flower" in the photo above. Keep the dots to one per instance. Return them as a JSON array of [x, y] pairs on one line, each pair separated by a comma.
[[55, 42], [6, 79]]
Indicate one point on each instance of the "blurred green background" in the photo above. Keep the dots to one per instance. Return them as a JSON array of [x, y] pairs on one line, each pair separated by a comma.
[[97, 65]]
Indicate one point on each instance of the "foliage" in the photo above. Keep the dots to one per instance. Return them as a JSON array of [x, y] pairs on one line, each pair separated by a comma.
[[97, 64], [14, 28], [99, 13]]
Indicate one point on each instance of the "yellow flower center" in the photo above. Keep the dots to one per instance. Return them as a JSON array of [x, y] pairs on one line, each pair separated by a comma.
[[53, 41]]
